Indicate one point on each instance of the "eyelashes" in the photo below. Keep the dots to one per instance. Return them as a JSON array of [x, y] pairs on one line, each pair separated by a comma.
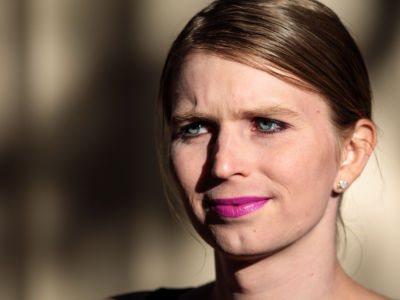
[[258, 125], [268, 126], [192, 130]]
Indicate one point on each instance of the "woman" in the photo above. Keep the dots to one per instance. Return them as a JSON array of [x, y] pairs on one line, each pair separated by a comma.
[[266, 111]]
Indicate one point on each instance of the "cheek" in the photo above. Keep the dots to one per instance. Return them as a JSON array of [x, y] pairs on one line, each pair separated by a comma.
[[301, 175], [188, 162], [302, 167]]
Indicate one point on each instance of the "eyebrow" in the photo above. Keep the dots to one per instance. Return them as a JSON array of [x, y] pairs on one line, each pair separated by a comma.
[[275, 110], [191, 116], [268, 112]]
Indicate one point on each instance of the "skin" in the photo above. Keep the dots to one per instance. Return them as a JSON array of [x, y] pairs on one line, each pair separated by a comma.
[[245, 161], [239, 131]]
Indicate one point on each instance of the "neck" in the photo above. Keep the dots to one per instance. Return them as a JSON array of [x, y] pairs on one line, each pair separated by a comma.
[[306, 269]]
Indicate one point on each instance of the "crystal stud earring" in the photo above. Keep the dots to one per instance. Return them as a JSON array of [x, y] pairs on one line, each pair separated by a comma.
[[342, 184]]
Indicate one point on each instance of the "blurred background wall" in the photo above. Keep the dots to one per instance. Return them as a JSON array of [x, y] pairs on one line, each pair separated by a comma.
[[82, 215]]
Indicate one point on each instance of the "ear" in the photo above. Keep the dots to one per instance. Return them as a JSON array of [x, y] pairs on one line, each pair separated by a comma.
[[355, 151]]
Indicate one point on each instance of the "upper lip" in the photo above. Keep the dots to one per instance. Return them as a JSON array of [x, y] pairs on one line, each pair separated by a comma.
[[236, 200]]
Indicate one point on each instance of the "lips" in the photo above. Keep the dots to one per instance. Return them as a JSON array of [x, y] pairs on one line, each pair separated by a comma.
[[237, 207]]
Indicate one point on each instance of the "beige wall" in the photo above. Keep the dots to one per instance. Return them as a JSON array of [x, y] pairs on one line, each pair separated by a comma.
[[81, 208]]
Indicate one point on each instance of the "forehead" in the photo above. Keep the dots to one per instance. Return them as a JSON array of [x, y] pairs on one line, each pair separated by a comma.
[[210, 83]]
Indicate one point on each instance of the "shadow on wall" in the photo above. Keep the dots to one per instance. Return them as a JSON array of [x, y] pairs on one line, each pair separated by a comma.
[[74, 188], [386, 29]]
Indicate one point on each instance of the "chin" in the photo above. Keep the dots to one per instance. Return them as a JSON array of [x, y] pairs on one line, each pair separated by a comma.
[[240, 244], [244, 253]]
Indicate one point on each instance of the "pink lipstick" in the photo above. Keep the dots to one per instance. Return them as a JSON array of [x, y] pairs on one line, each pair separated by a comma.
[[237, 207]]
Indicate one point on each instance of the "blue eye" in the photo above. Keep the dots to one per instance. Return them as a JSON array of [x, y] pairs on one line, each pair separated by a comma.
[[193, 129], [268, 126]]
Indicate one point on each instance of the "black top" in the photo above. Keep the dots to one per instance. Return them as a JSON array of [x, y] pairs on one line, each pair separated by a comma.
[[161, 293]]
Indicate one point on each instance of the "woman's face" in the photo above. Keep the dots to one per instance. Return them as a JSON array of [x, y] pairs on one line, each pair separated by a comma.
[[255, 157]]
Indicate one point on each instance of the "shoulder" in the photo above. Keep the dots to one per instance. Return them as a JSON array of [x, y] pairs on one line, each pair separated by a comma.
[[356, 291], [371, 295]]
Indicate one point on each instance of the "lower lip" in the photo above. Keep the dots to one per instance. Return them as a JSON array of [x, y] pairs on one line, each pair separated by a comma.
[[238, 210]]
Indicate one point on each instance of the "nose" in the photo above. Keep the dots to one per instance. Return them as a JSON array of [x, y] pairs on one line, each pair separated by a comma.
[[229, 156]]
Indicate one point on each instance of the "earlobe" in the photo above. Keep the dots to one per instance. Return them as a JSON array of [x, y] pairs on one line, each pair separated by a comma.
[[356, 149]]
